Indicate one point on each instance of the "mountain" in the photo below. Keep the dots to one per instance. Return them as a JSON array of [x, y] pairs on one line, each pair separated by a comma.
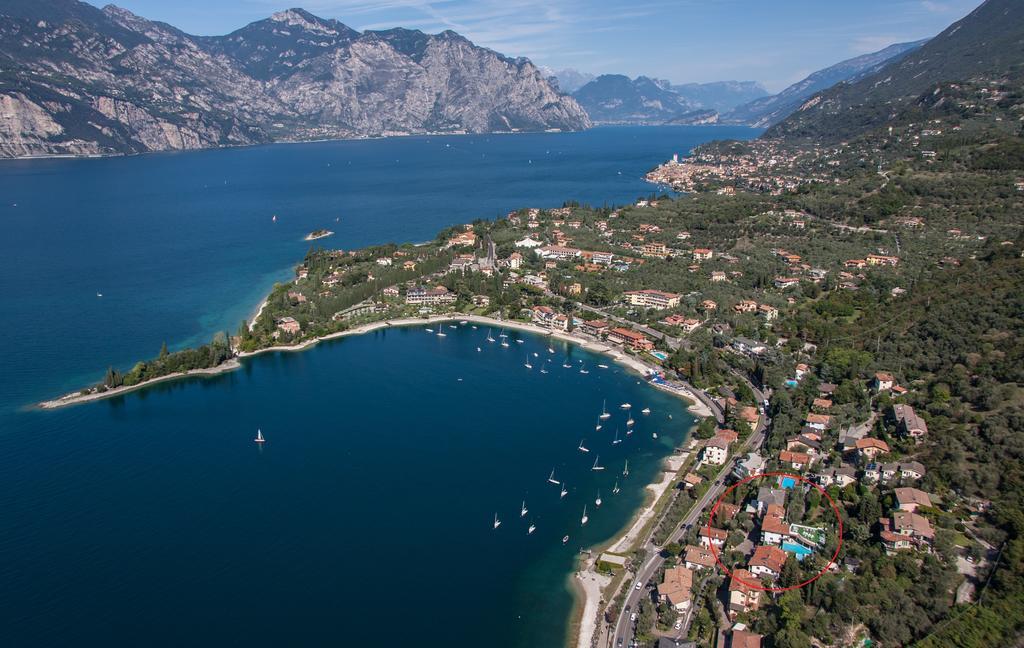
[[720, 95], [569, 80], [769, 110], [78, 80], [694, 117], [617, 99], [986, 44]]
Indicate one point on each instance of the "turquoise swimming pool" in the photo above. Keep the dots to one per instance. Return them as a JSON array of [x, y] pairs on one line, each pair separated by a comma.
[[797, 550], [660, 355]]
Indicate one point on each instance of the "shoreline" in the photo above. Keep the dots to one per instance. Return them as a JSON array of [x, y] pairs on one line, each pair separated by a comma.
[[586, 584]]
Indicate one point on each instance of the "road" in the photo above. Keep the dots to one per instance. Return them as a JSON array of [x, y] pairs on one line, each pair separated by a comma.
[[624, 627]]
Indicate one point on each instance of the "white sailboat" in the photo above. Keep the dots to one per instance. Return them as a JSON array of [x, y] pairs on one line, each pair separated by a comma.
[[616, 440], [504, 344], [479, 349], [565, 539], [646, 410], [654, 435], [566, 365], [597, 465], [490, 338], [523, 510], [527, 363], [604, 411], [430, 330], [602, 366], [625, 471], [497, 522], [630, 420], [584, 519], [535, 354], [597, 428], [629, 431], [259, 437], [533, 527], [518, 341], [598, 500], [551, 477], [583, 448], [441, 334], [615, 488], [625, 406], [565, 491], [583, 369], [550, 350]]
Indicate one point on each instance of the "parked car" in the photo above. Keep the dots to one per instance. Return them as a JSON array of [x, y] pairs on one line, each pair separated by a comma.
[[639, 585]]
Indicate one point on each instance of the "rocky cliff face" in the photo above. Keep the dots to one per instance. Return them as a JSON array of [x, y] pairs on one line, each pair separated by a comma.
[[75, 80]]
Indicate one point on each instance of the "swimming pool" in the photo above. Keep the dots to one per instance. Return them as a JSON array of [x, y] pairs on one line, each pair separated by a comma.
[[787, 482], [660, 355], [797, 550], [791, 383]]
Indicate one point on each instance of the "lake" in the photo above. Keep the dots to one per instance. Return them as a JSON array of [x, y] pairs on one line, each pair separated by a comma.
[[154, 519]]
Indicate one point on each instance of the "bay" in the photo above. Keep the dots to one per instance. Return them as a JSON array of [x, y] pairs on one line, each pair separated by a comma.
[[154, 519]]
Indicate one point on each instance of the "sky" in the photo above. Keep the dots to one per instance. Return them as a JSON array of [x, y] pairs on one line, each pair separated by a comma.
[[775, 42]]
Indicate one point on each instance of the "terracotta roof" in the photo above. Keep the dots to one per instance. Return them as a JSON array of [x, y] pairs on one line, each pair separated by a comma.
[[745, 639], [713, 533], [868, 442], [768, 556], [794, 457], [676, 585], [699, 556], [742, 575], [912, 496]]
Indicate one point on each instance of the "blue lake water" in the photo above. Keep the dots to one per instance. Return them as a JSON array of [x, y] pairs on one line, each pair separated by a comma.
[[153, 519]]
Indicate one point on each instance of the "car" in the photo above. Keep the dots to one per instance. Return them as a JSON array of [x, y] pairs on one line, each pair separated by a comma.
[[619, 642], [678, 625], [639, 585], [632, 617]]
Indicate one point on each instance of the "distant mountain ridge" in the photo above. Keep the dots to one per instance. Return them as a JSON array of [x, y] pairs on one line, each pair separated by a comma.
[[78, 80], [986, 44], [770, 110], [615, 98]]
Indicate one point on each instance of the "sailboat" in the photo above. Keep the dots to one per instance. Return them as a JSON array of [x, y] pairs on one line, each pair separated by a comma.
[[565, 539], [441, 333], [596, 465], [629, 431], [597, 428], [583, 369], [259, 437], [527, 364], [630, 420], [535, 354], [566, 365], [604, 411], [583, 448], [518, 341], [497, 522], [452, 326], [615, 488], [533, 527], [616, 440], [602, 366], [598, 500], [625, 471], [625, 406], [550, 350], [479, 349], [646, 410], [490, 338], [543, 368], [551, 477], [584, 519], [523, 510], [565, 491], [430, 330], [654, 435], [504, 344]]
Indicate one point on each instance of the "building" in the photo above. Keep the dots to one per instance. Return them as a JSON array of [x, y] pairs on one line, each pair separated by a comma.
[[842, 476], [752, 464], [632, 339], [774, 528], [743, 597], [698, 558], [745, 306], [908, 423], [597, 328], [675, 587], [557, 252], [717, 276], [905, 530], [818, 421], [871, 448], [785, 283], [744, 639], [712, 536], [909, 499], [715, 451], [912, 470], [768, 312], [429, 296], [702, 254], [691, 480], [883, 382], [688, 324], [879, 260], [652, 299], [795, 460], [766, 496], [654, 249], [288, 325], [708, 305], [749, 347], [550, 319], [515, 261], [528, 243], [767, 561]]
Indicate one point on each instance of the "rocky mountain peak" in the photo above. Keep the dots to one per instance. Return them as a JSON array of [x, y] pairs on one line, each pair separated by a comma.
[[304, 20]]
